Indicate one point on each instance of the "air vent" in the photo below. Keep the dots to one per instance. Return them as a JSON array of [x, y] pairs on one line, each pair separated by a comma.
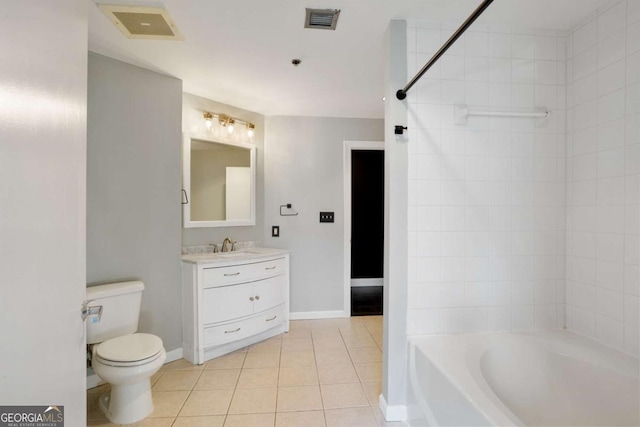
[[135, 22], [322, 19]]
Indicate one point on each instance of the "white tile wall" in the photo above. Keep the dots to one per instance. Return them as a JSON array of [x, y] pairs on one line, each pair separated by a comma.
[[487, 200], [602, 182]]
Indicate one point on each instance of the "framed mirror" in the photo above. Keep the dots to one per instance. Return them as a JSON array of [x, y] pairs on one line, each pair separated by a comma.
[[219, 183]]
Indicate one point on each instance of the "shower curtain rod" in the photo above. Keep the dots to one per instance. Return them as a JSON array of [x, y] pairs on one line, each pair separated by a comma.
[[402, 93]]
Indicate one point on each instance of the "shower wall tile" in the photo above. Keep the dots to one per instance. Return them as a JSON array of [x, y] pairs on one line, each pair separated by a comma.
[[602, 191], [487, 201]]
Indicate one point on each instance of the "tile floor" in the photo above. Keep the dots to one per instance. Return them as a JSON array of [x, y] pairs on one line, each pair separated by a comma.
[[321, 373]]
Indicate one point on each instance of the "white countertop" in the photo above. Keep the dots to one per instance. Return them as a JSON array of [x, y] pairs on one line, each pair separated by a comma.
[[242, 255]]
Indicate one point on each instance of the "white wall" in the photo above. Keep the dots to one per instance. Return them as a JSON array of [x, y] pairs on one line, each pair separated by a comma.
[[133, 179], [304, 167], [486, 200], [192, 121], [43, 102], [602, 219]]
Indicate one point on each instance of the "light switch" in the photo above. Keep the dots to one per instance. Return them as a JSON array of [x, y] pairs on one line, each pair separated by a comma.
[[326, 216], [275, 231]]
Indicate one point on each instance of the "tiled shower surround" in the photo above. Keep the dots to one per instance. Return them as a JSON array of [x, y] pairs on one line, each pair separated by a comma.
[[495, 215]]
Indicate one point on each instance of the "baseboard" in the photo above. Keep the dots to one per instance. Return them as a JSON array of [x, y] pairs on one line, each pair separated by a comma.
[[94, 381], [355, 283], [392, 413], [305, 315]]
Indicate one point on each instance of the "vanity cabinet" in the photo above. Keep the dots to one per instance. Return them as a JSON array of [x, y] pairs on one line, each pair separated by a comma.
[[229, 303]]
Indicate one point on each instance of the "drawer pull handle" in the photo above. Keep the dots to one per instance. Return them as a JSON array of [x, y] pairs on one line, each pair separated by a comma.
[[270, 268], [257, 296], [231, 332], [231, 274], [273, 318], [251, 298]]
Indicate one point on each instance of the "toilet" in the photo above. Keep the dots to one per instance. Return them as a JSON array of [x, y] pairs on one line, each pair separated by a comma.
[[121, 357]]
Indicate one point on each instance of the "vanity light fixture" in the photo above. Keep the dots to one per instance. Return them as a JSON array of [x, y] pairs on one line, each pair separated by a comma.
[[208, 120], [227, 122]]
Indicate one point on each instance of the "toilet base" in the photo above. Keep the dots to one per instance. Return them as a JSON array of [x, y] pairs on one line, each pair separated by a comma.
[[127, 404]]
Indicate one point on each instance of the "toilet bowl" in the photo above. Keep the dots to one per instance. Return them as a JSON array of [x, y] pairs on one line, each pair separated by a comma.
[[127, 363], [120, 356]]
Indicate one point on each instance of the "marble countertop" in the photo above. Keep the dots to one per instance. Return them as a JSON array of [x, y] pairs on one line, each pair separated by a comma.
[[247, 254]]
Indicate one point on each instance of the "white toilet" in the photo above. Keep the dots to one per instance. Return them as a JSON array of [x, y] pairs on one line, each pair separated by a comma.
[[121, 357]]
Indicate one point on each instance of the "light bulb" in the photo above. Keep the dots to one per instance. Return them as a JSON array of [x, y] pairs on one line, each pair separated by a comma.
[[208, 120], [250, 130], [250, 133], [230, 124], [208, 124]]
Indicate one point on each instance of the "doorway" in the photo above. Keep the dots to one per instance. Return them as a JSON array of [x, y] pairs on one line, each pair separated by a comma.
[[364, 227]]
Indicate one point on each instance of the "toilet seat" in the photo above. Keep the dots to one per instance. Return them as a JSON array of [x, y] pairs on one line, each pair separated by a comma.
[[129, 350]]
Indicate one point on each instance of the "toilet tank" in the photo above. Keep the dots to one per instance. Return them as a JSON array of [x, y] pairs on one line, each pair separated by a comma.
[[120, 310]]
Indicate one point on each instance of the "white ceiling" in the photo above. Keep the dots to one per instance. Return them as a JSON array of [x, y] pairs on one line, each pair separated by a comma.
[[239, 52]]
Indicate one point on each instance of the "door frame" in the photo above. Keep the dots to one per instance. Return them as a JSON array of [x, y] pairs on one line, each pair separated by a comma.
[[350, 146]]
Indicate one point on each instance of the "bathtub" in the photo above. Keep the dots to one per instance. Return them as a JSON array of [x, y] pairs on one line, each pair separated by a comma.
[[546, 378]]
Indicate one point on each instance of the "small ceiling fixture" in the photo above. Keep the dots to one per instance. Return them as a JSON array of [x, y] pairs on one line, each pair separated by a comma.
[[296, 62], [228, 123], [137, 22], [321, 19]]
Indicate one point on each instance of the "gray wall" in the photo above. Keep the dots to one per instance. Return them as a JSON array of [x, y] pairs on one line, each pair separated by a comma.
[[304, 167], [192, 121], [133, 187]]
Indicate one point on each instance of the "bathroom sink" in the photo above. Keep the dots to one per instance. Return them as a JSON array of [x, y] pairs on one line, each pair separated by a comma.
[[236, 254]]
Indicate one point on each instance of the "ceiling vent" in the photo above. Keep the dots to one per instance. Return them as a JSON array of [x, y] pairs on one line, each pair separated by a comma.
[[136, 22], [322, 19]]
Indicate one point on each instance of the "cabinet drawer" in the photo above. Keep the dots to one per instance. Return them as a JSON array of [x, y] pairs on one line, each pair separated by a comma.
[[221, 276], [233, 331]]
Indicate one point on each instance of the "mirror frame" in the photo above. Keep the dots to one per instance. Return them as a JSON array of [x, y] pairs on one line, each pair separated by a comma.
[[186, 183]]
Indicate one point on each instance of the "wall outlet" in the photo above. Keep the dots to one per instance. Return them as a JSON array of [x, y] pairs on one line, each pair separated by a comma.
[[326, 216], [275, 231]]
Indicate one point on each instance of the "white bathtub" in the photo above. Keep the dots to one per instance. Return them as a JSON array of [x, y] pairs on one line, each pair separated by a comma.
[[548, 378]]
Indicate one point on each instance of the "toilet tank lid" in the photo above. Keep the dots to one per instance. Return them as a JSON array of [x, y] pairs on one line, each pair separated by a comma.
[[113, 289]]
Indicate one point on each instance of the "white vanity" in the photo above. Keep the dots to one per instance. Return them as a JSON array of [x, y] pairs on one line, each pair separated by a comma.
[[233, 299]]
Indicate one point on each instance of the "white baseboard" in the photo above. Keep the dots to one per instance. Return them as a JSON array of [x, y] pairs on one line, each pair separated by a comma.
[[94, 381], [392, 413], [356, 283], [305, 315]]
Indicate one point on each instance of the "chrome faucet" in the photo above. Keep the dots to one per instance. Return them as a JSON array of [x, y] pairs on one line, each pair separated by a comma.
[[224, 245]]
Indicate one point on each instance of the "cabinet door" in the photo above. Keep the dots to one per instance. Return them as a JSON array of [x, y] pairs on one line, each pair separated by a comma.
[[227, 303], [268, 293]]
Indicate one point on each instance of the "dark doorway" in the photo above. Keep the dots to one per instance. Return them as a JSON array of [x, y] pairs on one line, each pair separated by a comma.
[[367, 231]]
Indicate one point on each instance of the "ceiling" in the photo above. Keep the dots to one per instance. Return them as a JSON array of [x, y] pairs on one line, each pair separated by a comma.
[[239, 52]]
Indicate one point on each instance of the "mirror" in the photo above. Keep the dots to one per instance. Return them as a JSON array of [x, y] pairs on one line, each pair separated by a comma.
[[219, 183]]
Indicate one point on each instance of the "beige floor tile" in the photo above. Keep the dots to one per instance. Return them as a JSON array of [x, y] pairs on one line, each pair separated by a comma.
[[233, 360], [305, 375], [93, 410], [328, 342], [297, 333], [210, 421], [177, 380], [272, 344], [299, 398], [350, 417], [343, 395], [153, 422], [295, 325], [372, 389], [207, 402], [365, 354], [354, 329], [260, 377], [250, 420], [337, 374], [369, 371], [297, 358], [300, 419], [253, 400], [155, 377], [332, 356], [357, 341], [167, 403], [297, 344], [215, 379], [270, 359], [183, 365]]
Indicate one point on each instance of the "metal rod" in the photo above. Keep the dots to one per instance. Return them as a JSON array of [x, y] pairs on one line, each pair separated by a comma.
[[509, 113], [402, 93]]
